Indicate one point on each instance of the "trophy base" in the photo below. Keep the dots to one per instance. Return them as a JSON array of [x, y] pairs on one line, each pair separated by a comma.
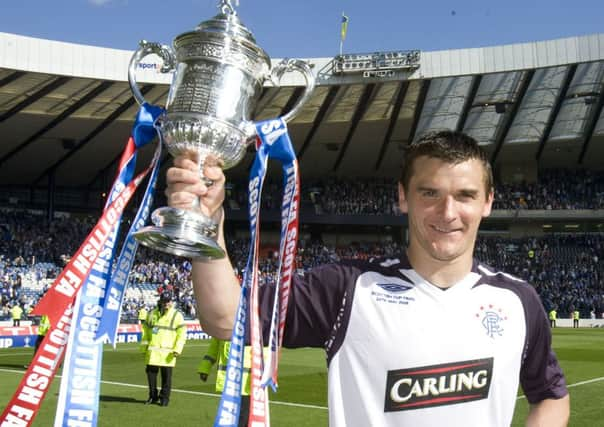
[[182, 233]]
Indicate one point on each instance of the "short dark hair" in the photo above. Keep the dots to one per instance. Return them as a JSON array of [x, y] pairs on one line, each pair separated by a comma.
[[449, 146]]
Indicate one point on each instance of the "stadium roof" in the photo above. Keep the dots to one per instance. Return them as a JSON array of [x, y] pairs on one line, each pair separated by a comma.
[[66, 110]]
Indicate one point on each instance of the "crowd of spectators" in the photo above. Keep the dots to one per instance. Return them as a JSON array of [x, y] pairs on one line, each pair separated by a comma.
[[565, 269], [554, 189], [355, 197]]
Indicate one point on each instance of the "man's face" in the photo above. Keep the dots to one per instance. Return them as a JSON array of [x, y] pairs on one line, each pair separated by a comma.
[[445, 204]]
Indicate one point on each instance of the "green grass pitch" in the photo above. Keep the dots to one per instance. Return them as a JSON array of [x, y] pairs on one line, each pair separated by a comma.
[[301, 400]]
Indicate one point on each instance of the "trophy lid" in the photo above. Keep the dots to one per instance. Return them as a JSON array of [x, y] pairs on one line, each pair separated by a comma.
[[227, 22], [224, 29]]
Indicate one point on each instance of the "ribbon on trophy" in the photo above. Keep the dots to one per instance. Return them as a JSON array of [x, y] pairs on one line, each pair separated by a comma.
[[80, 384], [116, 290], [274, 142], [25, 403], [83, 279]]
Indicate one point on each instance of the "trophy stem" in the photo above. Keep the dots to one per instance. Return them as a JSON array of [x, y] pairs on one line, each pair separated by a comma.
[[183, 233]]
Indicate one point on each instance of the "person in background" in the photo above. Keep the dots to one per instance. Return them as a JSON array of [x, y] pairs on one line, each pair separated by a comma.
[[142, 314], [43, 328], [164, 336], [16, 312], [553, 315], [218, 351], [576, 316]]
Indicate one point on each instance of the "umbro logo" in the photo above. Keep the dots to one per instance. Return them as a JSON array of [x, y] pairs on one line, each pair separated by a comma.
[[394, 287]]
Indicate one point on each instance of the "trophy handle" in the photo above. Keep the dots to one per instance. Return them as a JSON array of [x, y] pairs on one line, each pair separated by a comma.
[[146, 48], [295, 65]]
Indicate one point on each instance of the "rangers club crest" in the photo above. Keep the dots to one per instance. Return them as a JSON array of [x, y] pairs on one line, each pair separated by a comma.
[[492, 319]]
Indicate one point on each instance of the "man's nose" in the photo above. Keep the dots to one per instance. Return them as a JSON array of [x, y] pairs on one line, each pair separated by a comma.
[[447, 208]]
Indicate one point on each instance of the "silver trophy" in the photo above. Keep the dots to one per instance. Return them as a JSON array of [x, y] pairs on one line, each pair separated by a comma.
[[219, 72]]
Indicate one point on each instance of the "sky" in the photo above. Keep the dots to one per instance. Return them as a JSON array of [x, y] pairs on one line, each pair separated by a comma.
[[310, 28]]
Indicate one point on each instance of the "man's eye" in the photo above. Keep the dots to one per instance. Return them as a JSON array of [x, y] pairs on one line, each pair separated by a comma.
[[467, 196]]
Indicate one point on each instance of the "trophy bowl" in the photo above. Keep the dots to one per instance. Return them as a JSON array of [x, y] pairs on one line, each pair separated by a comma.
[[219, 71]]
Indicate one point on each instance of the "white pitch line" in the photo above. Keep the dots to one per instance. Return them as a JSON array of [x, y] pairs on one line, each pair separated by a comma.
[[201, 393], [276, 402], [196, 393], [137, 349], [31, 353], [593, 380]]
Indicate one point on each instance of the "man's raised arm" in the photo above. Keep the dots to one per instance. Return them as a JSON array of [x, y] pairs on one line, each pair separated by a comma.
[[214, 282]]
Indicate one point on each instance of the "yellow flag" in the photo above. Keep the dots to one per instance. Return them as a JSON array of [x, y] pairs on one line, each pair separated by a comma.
[[344, 28]]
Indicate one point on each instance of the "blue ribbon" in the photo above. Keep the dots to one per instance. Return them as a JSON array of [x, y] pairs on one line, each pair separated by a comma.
[[143, 129], [80, 385], [143, 132], [283, 151], [275, 143]]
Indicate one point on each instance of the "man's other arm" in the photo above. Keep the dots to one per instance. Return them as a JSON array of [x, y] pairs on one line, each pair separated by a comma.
[[549, 413]]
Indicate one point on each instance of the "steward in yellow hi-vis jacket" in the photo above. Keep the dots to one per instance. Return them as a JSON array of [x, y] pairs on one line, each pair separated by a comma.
[[576, 317], [553, 315], [43, 328], [218, 351], [163, 338], [16, 312], [142, 315]]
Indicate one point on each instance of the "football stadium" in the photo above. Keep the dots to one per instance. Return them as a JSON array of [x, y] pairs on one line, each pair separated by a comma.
[[67, 112]]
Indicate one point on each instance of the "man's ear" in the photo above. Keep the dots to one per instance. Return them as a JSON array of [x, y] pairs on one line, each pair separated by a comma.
[[488, 204], [402, 200]]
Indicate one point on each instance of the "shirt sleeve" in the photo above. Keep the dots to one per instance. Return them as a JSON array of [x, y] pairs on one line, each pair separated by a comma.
[[541, 376], [316, 302]]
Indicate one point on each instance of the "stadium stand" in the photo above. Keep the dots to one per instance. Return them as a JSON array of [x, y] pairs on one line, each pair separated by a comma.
[[536, 108]]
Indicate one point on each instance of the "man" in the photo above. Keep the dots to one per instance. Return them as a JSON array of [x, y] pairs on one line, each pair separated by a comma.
[[218, 351], [576, 316], [430, 338], [553, 315], [142, 314], [16, 312], [164, 336], [43, 328]]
